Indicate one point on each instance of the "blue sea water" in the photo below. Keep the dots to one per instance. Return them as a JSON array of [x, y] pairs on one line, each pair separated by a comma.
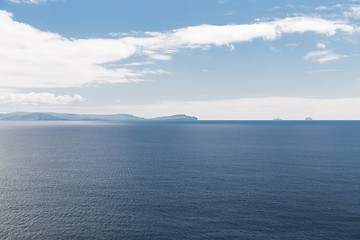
[[199, 180]]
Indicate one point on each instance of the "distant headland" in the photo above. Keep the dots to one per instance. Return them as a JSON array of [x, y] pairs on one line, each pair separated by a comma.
[[40, 116]]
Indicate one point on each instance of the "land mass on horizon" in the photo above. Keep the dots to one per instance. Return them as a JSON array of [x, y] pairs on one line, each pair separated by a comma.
[[50, 116]]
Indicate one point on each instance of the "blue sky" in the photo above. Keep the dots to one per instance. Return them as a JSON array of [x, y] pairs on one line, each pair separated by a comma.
[[216, 59]]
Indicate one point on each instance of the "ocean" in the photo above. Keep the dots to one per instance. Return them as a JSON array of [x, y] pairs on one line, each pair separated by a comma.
[[190, 180]]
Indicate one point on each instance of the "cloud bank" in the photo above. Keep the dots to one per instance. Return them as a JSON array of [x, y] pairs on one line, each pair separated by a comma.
[[37, 98], [31, 58], [267, 108]]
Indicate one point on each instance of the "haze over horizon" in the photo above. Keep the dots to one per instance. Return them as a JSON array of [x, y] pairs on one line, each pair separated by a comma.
[[214, 59]]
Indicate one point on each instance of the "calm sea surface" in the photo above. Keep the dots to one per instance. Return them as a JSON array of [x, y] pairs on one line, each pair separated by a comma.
[[204, 180]]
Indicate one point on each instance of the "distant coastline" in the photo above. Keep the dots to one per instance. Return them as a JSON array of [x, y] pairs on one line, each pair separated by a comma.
[[50, 116]]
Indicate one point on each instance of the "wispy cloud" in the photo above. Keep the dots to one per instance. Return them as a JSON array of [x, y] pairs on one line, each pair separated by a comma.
[[322, 8], [323, 71], [354, 12], [320, 45], [31, 58], [30, 1], [323, 56], [292, 45], [227, 34], [37, 98], [161, 57], [139, 63]]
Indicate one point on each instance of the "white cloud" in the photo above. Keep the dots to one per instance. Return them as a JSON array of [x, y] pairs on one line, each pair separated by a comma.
[[316, 25], [322, 8], [34, 59], [139, 63], [29, 1], [323, 56], [323, 71], [228, 34], [320, 45], [37, 98], [30, 58], [118, 34], [354, 12], [160, 57], [291, 45]]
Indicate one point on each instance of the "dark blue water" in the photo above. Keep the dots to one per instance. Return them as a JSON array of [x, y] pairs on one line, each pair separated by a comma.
[[209, 180]]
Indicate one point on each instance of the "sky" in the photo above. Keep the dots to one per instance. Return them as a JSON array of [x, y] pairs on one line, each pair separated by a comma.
[[214, 59]]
